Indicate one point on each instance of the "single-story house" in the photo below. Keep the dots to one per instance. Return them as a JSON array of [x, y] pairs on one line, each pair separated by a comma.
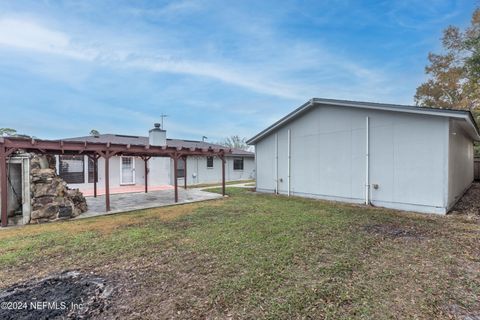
[[393, 156], [128, 173]]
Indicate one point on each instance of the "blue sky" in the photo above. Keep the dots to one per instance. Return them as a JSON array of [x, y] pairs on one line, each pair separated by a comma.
[[217, 68]]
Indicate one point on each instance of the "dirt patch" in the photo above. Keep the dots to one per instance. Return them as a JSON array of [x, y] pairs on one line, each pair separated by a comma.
[[458, 312], [173, 285], [469, 204], [71, 295], [394, 231]]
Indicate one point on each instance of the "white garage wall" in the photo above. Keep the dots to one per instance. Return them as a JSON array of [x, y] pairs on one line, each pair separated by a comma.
[[460, 168], [408, 158], [409, 161], [265, 164]]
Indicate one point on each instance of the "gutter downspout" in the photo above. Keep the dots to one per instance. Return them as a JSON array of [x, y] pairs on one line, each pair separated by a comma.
[[289, 160], [276, 163], [367, 162]]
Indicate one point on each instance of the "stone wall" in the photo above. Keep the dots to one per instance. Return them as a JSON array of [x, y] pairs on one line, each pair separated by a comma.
[[51, 198]]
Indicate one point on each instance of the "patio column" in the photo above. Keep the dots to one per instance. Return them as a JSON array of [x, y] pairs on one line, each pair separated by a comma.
[[107, 184], [145, 160], [185, 172], [175, 175], [94, 158], [222, 157], [107, 155], [95, 175], [3, 185]]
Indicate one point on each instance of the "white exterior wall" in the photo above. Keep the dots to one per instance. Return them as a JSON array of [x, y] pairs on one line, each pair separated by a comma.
[[460, 160], [408, 158], [198, 173], [114, 173], [161, 172]]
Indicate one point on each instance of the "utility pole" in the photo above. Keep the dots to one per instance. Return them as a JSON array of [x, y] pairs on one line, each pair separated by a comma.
[[163, 116]]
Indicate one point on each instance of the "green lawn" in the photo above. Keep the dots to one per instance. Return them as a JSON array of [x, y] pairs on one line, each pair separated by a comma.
[[263, 256]]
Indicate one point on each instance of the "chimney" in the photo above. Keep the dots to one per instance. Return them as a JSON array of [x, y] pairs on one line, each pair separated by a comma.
[[157, 136]]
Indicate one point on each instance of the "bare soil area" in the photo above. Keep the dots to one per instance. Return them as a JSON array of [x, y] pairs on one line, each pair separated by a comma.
[[469, 204], [70, 295]]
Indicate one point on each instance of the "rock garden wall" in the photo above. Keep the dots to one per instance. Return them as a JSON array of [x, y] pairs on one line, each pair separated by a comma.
[[51, 198]]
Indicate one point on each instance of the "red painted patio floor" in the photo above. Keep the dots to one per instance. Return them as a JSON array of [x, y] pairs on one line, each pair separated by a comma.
[[125, 189]]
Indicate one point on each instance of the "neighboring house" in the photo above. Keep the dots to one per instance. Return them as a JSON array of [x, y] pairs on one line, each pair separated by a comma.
[[129, 172], [393, 156]]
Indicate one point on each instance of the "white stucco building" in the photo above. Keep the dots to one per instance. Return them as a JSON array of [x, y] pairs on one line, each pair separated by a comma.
[[128, 173], [401, 157]]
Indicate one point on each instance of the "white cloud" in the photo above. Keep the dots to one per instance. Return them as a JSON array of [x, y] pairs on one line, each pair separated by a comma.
[[289, 69], [28, 35], [32, 36]]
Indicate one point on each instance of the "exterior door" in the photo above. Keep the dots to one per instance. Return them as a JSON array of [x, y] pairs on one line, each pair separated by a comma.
[[127, 170]]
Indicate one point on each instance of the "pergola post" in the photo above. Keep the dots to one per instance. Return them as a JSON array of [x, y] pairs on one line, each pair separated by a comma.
[[145, 160], [107, 183], [3, 185], [175, 175], [107, 155], [95, 175], [185, 172], [222, 157], [146, 175], [94, 158]]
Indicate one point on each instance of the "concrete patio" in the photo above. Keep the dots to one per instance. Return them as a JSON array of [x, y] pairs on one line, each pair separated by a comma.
[[135, 201], [125, 189]]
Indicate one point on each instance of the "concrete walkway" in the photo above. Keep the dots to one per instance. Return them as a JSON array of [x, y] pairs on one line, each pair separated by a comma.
[[240, 185], [137, 201], [124, 189]]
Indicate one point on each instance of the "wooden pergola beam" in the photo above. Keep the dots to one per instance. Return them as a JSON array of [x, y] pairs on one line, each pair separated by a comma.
[[74, 147], [97, 150]]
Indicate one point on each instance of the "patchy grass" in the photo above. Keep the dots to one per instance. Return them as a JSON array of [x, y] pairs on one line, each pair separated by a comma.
[[263, 256]]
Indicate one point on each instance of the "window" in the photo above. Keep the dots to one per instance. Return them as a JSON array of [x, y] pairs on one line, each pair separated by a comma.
[[209, 162], [72, 169], [181, 168], [237, 163], [91, 163]]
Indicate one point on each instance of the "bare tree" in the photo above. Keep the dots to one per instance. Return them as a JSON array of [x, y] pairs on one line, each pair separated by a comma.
[[235, 142]]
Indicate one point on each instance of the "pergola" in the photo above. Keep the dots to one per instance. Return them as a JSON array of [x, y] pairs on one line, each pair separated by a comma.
[[94, 151]]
